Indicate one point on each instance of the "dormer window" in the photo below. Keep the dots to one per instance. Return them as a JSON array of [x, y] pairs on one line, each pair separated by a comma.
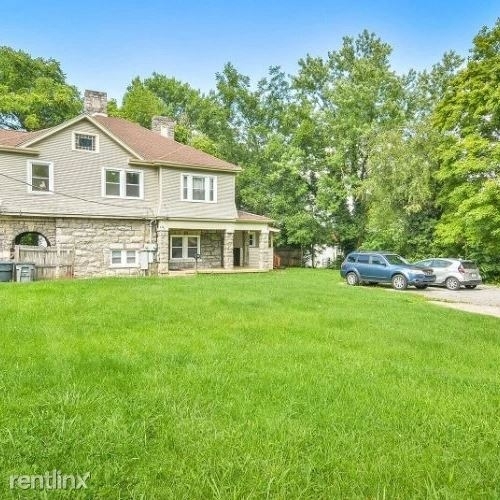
[[85, 142]]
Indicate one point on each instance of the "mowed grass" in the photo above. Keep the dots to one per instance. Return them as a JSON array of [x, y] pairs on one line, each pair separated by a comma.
[[284, 385]]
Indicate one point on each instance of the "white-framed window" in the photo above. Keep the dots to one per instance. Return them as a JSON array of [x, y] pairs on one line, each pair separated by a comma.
[[252, 239], [40, 177], [85, 142], [199, 188], [185, 246], [119, 183], [124, 258]]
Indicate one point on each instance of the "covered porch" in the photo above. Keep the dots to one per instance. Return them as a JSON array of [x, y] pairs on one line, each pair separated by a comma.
[[214, 246]]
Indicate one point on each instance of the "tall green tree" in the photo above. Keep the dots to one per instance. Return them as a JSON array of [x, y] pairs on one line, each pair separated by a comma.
[[280, 139], [306, 141], [353, 97], [400, 187], [469, 174], [165, 96], [34, 93], [140, 104]]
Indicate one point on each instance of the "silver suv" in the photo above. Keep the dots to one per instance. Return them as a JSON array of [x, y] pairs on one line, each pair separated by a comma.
[[453, 273]]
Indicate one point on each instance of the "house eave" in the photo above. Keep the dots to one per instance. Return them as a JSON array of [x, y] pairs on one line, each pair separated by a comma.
[[20, 151], [230, 223], [177, 222], [257, 223], [210, 168], [73, 216]]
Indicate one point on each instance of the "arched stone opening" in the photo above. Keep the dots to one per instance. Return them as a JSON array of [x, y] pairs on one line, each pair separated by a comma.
[[32, 238]]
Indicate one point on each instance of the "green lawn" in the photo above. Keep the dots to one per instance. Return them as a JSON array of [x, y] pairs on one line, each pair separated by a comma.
[[284, 385]]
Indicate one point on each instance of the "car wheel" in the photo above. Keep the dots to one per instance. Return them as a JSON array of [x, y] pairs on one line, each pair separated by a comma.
[[352, 279], [452, 283], [470, 287], [421, 287], [399, 282]]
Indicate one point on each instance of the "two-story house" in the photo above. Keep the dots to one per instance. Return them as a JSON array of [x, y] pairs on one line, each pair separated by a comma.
[[125, 199]]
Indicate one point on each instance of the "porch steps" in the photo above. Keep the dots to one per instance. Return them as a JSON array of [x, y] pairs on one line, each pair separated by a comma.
[[233, 271], [192, 272]]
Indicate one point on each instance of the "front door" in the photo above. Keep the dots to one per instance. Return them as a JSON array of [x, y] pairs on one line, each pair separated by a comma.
[[237, 257], [378, 269]]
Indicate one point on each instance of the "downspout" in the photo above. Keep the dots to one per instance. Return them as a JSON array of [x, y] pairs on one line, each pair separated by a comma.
[[160, 194], [158, 212], [151, 222]]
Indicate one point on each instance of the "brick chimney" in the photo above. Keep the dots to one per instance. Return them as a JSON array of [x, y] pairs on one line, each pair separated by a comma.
[[163, 125], [95, 103]]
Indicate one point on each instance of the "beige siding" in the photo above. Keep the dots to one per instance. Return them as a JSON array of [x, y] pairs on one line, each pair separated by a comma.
[[77, 179], [253, 257], [173, 206]]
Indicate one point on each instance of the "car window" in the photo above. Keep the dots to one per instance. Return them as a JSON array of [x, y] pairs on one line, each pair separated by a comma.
[[363, 259], [377, 260], [395, 259], [351, 258], [469, 264], [424, 263], [440, 263]]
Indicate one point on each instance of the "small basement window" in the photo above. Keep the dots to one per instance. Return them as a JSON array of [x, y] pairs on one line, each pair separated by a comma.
[[124, 258]]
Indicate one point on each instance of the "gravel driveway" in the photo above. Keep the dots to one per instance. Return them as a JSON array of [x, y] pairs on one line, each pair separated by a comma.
[[485, 299]]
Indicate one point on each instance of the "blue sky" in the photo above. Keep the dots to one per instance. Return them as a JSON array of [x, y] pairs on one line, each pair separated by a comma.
[[102, 45]]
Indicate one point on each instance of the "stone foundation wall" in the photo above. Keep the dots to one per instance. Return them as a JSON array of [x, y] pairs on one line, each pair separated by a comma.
[[228, 249], [94, 239], [163, 241], [10, 227], [211, 249], [91, 239]]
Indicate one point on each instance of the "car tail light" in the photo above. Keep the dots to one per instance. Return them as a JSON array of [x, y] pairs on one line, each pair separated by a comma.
[[461, 269]]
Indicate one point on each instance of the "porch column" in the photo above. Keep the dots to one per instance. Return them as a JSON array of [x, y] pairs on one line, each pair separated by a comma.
[[264, 250], [163, 253], [228, 256]]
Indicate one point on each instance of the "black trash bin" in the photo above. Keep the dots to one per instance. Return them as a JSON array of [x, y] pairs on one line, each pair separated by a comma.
[[6, 271]]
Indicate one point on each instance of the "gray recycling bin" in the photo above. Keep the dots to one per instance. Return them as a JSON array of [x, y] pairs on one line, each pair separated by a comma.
[[25, 271], [6, 271]]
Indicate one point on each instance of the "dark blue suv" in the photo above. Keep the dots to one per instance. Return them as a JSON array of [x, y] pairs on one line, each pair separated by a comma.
[[383, 267]]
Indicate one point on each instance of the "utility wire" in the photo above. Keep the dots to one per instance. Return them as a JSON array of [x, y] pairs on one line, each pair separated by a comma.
[[64, 194]]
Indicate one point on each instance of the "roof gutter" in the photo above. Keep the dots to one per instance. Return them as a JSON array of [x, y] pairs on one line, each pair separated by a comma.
[[52, 215], [142, 163], [18, 150]]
